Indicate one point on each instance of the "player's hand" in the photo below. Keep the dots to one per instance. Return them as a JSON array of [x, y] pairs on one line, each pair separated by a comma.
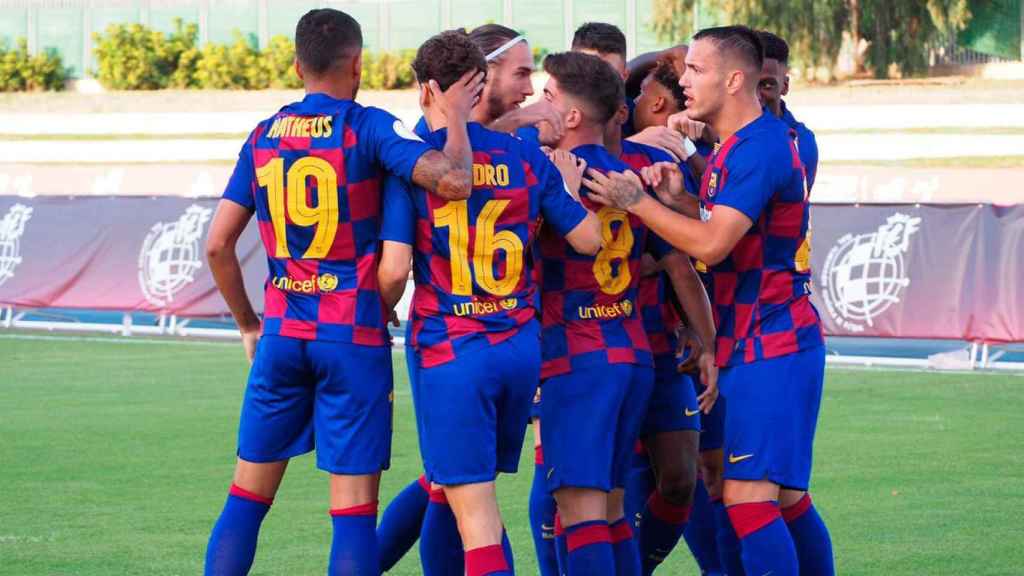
[[394, 320], [571, 167], [662, 137], [250, 338], [667, 181], [458, 100], [709, 378], [619, 189], [692, 129], [543, 111], [688, 341]]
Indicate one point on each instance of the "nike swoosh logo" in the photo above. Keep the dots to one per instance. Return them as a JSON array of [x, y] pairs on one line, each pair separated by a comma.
[[735, 459], [689, 412]]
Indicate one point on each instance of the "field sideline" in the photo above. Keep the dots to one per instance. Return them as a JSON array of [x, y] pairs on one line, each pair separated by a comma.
[[116, 456]]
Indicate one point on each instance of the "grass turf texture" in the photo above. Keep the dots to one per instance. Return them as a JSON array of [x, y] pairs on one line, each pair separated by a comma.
[[116, 458]]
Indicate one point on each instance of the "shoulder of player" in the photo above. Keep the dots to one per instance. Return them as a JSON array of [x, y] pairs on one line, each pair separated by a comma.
[[652, 153], [766, 143]]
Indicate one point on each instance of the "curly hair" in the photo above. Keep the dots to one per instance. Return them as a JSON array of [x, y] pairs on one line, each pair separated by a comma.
[[664, 73], [590, 80], [446, 57]]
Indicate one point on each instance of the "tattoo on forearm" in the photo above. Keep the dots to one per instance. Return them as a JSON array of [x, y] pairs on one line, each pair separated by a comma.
[[436, 173]]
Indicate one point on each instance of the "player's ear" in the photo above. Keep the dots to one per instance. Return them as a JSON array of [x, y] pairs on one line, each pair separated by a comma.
[[785, 85], [659, 105], [425, 96], [574, 118], [357, 67], [298, 70], [735, 81]]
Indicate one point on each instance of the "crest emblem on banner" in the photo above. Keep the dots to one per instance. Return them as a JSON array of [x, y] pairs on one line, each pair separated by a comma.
[[12, 226], [865, 274], [170, 253]]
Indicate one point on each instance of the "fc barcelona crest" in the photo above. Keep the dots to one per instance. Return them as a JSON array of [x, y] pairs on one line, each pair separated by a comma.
[[712, 184]]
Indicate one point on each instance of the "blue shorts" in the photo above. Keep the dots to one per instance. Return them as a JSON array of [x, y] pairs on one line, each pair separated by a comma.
[[591, 419], [332, 396], [472, 412], [772, 414], [673, 403], [712, 430]]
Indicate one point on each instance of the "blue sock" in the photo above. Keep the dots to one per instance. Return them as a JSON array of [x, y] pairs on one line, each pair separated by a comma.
[[729, 553], [232, 544], [506, 549], [590, 549], [639, 485], [765, 540], [811, 538], [354, 546], [440, 544], [542, 519], [401, 522], [661, 527], [627, 553], [700, 532], [561, 546]]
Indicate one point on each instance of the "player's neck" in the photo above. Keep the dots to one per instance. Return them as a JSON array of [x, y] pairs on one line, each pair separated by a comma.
[[582, 136], [735, 115], [613, 141], [436, 119], [337, 90]]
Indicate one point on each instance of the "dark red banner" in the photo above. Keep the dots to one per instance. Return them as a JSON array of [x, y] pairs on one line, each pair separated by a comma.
[[904, 271]]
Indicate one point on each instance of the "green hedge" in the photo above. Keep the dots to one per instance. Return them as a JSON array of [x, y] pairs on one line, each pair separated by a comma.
[[133, 57], [20, 71]]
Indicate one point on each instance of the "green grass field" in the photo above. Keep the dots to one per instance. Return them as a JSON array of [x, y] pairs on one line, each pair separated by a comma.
[[115, 458]]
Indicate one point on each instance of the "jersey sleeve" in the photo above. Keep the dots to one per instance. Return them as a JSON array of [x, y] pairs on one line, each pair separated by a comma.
[[391, 143], [750, 181], [807, 144], [559, 208], [398, 214], [240, 186]]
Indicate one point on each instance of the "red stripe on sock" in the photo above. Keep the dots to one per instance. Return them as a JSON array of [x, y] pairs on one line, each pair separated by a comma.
[[485, 560], [585, 536], [559, 529], [791, 513], [666, 511], [368, 509], [752, 516], [424, 483], [243, 493], [538, 455], [438, 497], [620, 531]]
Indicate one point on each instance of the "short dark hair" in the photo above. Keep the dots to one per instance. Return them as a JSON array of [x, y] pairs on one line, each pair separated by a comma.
[[590, 79], [738, 42], [446, 57], [774, 47], [664, 73], [599, 36], [324, 37], [490, 37]]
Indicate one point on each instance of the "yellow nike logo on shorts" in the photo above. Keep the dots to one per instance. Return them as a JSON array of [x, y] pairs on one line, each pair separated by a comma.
[[689, 412], [735, 459]]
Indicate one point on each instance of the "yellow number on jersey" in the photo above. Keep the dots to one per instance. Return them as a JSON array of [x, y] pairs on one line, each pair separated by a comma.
[[617, 246], [454, 215], [324, 216]]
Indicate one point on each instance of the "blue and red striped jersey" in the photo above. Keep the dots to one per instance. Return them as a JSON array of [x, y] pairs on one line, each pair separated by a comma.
[[659, 315], [761, 291], [806, 143], [590, 302], [472, 261], [312, 174]]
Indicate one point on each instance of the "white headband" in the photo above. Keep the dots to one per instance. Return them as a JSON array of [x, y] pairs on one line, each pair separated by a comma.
[[501, 49]]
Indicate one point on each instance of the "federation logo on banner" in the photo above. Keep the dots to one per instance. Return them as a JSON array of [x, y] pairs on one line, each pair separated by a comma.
[[12, 226], [170, 254], [865, 274]]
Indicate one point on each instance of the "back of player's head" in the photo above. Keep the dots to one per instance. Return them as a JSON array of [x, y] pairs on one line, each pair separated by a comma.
[[738, 44], [600, 37], [775, 48], [589, 80], [491, 37], [325, 38], [664, 73], [446, 57]]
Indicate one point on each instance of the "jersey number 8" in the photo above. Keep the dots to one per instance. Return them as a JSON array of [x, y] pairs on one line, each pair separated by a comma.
[[617, 245]]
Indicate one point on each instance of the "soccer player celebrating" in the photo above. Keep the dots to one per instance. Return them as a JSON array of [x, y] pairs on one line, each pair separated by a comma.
[[773, 86], [597, 368], [474, 328], [321, 364], [753, 236]]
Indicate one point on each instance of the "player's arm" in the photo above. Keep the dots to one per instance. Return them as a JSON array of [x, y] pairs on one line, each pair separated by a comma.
[[584, 237], [393, 271], [228, 224], [640, 66], [539, 111], [668, 182], [697, 307], [449, 173], [709, 241]]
